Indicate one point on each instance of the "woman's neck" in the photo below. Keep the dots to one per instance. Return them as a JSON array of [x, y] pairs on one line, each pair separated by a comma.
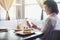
[[52, 14]]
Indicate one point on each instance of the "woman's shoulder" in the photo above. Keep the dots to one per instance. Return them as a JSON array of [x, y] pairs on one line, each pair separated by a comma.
[[52, 18], [49, 18]]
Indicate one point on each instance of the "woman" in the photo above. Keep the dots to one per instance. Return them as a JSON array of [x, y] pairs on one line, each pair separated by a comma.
[[50, 30]]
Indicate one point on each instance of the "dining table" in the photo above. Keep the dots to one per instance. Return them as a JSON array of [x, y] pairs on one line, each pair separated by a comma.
[[14, 35], [8, 31], [32, 36]]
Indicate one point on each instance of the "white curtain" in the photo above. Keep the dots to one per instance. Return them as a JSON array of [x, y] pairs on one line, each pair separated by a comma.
[[40, 2], [6, 4]]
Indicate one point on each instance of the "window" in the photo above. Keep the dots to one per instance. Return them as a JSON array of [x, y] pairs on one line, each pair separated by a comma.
[[32, 9], [57, 0]]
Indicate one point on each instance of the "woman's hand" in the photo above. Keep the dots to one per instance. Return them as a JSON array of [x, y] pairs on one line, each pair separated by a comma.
[[33, 25], [28, 24]]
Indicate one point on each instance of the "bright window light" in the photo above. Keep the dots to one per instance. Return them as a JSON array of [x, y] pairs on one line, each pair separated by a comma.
[[57, 0]]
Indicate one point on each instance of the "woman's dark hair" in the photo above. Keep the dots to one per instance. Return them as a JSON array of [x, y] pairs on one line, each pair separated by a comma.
[[52, 5]]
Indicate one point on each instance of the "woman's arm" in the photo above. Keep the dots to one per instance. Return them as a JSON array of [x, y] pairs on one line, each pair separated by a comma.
[[33, 25]]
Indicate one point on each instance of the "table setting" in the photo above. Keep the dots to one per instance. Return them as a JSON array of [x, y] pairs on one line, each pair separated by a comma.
[[19, 29]]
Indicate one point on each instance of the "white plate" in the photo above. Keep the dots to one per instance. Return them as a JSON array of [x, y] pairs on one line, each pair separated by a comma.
[[21, 32]]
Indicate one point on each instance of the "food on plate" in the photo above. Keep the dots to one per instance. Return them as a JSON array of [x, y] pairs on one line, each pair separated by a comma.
[[27, 30]]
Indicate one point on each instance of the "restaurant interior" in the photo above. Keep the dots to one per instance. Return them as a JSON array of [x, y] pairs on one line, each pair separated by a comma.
[[15, 13]]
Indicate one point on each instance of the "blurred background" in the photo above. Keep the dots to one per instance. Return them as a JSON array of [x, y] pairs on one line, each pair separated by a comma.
[[21, 9]]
